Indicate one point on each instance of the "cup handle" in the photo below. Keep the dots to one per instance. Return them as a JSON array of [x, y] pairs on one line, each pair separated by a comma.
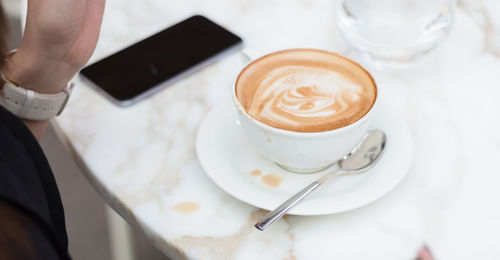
[[251, 54]]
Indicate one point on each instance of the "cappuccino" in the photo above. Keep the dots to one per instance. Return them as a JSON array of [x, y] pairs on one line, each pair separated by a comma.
[[305, 90]]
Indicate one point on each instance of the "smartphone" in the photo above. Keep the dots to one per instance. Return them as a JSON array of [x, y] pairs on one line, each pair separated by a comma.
[[141, 69]]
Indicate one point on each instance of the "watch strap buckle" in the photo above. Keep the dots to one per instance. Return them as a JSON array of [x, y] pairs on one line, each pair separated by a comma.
[[67, 90]]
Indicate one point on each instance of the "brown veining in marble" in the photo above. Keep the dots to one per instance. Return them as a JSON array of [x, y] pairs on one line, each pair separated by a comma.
[[292, 257], [174, 252], [256, 173], [272, 180], [292, 237], [220, 248], [168, 175], [482, 19], [186, 207]]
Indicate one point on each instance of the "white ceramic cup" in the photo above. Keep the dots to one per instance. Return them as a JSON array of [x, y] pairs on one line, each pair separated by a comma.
[[302, 152]]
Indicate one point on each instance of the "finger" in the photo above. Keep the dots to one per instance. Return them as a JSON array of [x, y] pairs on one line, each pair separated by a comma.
[[94, 11], [89, 32], [424, 254]]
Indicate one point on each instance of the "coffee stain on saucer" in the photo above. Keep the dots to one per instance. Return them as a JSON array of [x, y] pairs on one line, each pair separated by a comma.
[[272, 180], [255, 173], [186, 207]]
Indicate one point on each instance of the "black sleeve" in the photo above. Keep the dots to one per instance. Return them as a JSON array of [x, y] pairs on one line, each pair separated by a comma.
[[21, 238], [29, 197]]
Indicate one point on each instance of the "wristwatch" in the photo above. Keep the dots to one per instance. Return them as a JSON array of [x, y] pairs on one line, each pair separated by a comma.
[[29, 104]]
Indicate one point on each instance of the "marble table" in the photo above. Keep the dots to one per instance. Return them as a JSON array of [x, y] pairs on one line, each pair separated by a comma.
[[142, 158]]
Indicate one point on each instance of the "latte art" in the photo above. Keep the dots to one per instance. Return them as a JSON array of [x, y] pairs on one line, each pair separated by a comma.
[[315, 94], [296, 95]]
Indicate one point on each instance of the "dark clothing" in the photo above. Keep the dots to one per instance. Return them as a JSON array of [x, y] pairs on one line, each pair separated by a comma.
[[31, 213]]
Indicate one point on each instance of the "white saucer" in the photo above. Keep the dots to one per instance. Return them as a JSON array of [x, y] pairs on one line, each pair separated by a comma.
[[228, 158]]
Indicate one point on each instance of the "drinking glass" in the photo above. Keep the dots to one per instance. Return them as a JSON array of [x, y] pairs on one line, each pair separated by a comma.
[[394, 33]]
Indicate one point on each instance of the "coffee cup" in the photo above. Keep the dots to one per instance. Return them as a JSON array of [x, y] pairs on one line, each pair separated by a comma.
[[304, 108]]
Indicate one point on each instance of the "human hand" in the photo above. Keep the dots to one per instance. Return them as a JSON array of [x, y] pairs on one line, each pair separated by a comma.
[[59, 38]]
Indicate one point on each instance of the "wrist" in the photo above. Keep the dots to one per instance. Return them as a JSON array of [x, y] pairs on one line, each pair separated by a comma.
[[31, 71]]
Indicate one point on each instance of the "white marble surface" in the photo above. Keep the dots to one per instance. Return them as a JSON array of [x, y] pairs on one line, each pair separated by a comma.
[[142, 158]]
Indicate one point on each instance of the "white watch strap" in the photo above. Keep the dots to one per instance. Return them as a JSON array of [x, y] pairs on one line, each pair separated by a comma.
[[28, 104]]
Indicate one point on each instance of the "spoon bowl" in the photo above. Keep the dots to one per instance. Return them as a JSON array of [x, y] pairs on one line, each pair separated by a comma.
[[366, 154]]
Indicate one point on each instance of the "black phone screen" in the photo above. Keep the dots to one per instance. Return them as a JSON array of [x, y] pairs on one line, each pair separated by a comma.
[[159, 58]]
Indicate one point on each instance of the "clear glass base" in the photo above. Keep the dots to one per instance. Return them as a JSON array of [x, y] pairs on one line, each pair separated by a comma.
[[390, 63], [392, 34]]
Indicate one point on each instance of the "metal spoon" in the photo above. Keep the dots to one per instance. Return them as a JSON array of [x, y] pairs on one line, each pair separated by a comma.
[[364, 156]]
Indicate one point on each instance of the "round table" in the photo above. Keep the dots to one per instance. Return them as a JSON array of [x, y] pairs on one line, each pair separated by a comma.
[[142, 158]]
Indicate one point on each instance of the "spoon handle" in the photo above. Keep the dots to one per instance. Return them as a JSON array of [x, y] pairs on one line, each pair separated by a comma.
[[286, 206]]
